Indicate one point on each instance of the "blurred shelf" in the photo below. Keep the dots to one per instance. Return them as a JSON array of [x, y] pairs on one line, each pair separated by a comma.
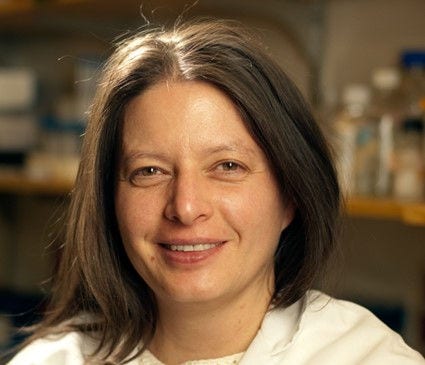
[[20, 184], [9, 7], [30, 17], [411, 213], [62, 17], [12, 7]]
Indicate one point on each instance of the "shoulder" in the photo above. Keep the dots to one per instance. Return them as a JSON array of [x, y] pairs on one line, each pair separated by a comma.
[[66, 349], [339, 329], [323, 331], [339, 316]]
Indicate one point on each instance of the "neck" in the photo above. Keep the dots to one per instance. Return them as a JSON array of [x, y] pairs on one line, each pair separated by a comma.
[[194, 331]]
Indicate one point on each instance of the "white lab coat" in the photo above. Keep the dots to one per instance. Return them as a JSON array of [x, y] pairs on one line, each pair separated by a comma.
[[327, 332], [317, 330]]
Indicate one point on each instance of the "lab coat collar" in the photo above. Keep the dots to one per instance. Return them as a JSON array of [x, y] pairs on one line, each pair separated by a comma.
[[278, 330]]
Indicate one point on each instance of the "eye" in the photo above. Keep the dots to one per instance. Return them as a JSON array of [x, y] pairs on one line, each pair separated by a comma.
[[230, 166], [230, 170], [146, 175], [148, 171]]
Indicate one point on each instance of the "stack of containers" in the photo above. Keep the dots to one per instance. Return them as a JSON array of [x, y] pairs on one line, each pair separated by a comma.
[[18, 121], [381, 139], [58, 154], [386, 112], [409, 179], [349, 122]]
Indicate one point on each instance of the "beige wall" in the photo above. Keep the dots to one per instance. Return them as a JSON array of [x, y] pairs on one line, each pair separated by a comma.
[[26, 231], [383, 262], [361, 35]]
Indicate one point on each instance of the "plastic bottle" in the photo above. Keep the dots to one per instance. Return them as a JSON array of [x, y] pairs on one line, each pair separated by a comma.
[[409, 177], [413, 82], [386, 110], [348, 122], [409, 165]]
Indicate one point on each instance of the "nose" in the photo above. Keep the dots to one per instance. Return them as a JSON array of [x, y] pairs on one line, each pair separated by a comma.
[[189, 200]]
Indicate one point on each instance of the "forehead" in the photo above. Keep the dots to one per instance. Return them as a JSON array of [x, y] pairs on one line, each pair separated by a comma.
[[184, 113]]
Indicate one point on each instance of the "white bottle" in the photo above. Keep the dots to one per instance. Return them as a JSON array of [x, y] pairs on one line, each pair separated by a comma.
[[386, 109], [409, 181], [409, 176], [349, 120]]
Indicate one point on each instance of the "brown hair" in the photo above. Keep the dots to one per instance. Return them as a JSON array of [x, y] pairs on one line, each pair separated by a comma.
[[95, 276]]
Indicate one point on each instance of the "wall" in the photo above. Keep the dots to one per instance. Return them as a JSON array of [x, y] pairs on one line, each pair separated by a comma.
[[361, 35], [28, 225], [383, 263]]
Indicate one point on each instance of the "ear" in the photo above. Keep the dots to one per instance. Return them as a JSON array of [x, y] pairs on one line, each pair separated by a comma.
[[288, 214]]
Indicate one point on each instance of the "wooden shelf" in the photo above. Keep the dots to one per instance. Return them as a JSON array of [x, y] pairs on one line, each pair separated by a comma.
[[62, 17], [20, 184], [26, 17], [13, 7], [10, 7], [411, 213], [23, 7]]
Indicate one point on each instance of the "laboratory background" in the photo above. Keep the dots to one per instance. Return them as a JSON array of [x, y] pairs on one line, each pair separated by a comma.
[[361, 65]]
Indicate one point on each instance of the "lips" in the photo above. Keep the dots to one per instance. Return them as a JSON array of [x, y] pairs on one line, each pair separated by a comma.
[[184, 252], [192, 248]]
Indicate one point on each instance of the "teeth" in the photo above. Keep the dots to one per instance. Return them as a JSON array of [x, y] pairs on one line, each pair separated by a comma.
[[190, 248]]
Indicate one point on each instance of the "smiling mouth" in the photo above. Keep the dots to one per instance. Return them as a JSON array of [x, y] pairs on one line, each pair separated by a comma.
[[192, 248]]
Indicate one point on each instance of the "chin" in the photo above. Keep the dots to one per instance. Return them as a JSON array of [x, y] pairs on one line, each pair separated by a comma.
[[192, 295]]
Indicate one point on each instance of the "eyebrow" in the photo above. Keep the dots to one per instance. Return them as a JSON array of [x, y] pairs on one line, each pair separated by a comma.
[[229, 148], [144, 154], [236, 147]]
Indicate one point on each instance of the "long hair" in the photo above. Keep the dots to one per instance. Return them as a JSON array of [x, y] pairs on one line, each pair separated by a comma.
[[96, 282]]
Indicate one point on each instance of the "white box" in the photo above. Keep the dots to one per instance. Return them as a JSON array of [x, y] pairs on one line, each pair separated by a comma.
[[18, 132], [17, 89]]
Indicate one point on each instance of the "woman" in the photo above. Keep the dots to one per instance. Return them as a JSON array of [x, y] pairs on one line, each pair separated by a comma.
[[205, 206]]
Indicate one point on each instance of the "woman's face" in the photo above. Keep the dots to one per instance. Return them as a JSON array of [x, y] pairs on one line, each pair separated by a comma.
[[198, 208]]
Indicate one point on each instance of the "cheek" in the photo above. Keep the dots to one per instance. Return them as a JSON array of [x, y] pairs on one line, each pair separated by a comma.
[[136, 223], [234, 208], [136, 214], [255, 211], [143, 261]]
